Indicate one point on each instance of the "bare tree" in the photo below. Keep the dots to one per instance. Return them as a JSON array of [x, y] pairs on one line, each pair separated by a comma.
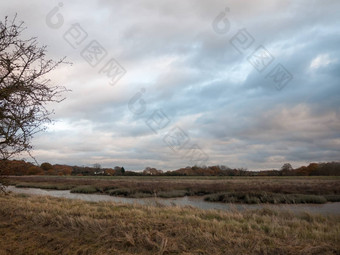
[[286, 167], [24, 88], [97, 166]]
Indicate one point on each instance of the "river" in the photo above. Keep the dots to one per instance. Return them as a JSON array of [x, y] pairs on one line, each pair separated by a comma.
[[324, 209]]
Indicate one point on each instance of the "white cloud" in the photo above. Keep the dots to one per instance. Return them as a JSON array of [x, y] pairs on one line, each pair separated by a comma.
[[322, 60], [197, 78]]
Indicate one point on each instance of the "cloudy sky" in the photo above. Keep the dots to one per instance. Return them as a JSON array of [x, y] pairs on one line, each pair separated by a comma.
[[173, 83]]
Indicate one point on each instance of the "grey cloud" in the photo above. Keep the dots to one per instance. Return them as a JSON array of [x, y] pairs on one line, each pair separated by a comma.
[[196, 78]]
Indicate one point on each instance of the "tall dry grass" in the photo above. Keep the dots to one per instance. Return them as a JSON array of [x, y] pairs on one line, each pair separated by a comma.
[[45, 225]]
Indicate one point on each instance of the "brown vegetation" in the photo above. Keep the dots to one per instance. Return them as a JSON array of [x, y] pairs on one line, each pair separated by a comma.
[[44, 225], [20, 167], [328, 187]]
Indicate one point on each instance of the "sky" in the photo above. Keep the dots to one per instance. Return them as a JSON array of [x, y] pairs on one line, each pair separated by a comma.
[[170, 84]]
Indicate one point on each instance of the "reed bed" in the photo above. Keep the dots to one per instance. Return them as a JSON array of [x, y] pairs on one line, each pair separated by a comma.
[[46, 225]]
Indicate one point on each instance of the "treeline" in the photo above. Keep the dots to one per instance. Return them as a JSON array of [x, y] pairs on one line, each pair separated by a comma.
[[313, 169], [20, 167]]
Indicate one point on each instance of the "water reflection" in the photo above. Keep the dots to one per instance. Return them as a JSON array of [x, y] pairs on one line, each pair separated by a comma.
[[328, 208]]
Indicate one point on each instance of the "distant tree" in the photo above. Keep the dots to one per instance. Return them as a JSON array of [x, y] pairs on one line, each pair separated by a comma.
[[35, 170], [118, 170], [46, 166], [302, 171], [110, 171], [152, 171], [123, 170], [312, 168], [286, 167], [18, 167], [51, 172], [97, 166], [329, 168], [63, 169], [223, 167]]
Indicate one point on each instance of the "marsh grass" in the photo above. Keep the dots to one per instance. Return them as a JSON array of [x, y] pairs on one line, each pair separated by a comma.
[[44, 186], [253, 189], [125, 192], [264, 197], [141, 195], [46, 225], [332, 198], [173, 193], [86, 189], [120, 192]]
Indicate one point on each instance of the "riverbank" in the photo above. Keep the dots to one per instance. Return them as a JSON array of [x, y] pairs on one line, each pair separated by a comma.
[[249, 190], [46, 225], [192, 201]]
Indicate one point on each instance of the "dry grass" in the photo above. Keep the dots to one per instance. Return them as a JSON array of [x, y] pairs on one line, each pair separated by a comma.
[[45, 225]]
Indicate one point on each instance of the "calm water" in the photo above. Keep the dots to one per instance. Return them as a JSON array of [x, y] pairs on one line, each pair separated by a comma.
[[328, 208]]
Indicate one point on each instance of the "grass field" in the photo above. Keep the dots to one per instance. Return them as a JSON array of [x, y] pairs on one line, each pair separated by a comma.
[[215, 189], [45, 225]]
